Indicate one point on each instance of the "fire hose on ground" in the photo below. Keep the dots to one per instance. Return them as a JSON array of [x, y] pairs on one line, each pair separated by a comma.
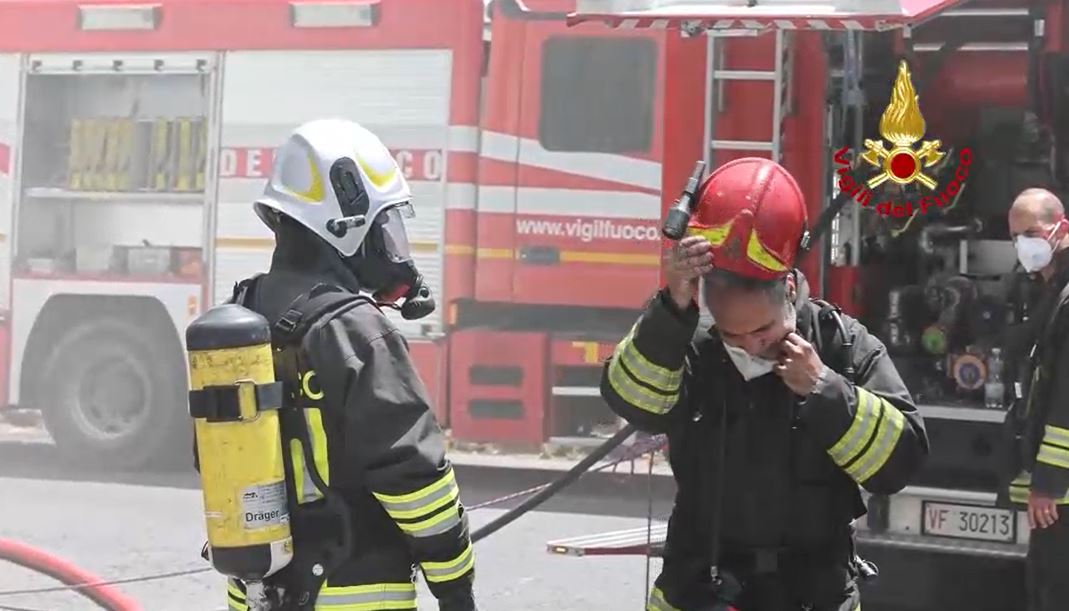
[[554, 487], [104, 595], [87, 584]]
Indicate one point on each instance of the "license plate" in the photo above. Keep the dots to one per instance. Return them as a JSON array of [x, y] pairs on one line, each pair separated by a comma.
[[968, 522]]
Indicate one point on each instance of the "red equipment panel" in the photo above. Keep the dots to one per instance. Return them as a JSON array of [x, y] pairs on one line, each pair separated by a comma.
[[498, 387], [430, 359]]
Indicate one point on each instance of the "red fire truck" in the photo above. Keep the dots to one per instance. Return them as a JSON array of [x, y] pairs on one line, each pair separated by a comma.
[[134, 135], [822, 87]]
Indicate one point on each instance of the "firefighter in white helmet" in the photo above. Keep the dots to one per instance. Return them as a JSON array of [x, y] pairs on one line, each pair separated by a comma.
[[372, 495]]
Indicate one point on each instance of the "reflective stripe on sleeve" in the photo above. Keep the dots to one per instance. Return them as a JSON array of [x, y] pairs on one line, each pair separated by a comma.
[[1019, 488], [657, 602], [640, 382], [865, 447], [235, 597], [371, 597], [1054, 450], [438, 572], [429, 511]]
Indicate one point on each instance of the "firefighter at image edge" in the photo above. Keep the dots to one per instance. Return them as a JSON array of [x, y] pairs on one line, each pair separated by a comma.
[[800, 437], [336, 201], [1038, 422]]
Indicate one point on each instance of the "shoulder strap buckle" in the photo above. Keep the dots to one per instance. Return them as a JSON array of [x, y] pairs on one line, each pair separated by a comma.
[[308, 308], [289, 321]]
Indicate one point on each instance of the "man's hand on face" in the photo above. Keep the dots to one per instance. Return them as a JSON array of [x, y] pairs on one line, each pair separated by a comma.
[[799, 364], [689, 259]]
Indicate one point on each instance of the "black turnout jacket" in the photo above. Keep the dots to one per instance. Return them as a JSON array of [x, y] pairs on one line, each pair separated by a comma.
[[792, 465], [383, 449]]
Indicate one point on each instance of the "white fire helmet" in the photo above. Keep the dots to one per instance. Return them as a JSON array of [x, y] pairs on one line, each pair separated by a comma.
[[337, 179]]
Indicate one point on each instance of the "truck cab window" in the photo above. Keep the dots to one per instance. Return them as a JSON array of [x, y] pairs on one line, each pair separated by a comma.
[[597, 94]]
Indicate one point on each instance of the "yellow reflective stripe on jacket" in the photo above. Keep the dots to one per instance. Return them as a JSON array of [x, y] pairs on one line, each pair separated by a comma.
[[235, 597], [437, 572], [868, 443], [373, 597], [641, 383], [305, 485], [429, 511], [657, 602], [370, 597], [1054, 450], [1021, 486], [644, 370]]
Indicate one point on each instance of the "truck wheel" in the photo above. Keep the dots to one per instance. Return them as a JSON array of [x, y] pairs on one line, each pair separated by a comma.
[[113, 396]]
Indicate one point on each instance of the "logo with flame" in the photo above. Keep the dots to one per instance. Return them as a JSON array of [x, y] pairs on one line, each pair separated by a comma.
[[902, 125]]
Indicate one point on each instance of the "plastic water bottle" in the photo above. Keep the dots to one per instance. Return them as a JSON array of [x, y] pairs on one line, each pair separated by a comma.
[[993, 388]]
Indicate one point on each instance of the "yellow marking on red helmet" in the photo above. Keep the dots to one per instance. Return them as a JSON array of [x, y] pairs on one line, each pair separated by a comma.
[[760, 255], [714, 235]]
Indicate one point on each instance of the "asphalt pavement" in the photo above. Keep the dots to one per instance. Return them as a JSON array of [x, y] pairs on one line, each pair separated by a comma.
[[121, 526]]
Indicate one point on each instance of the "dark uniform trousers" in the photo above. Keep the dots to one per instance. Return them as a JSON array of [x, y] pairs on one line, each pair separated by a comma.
[[799, 584], [1048, 565], [788, 582]]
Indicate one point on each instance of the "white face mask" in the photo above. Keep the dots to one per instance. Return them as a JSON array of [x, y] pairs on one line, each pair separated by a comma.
[[1034, 253], [752, 367], [749, 366]]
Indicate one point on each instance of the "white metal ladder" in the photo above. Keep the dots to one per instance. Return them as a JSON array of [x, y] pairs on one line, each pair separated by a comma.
[[714, 76], [780, 77]]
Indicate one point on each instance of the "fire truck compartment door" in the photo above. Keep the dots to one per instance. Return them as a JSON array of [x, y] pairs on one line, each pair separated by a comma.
[[10, 88], [695, 16], [267, 94]]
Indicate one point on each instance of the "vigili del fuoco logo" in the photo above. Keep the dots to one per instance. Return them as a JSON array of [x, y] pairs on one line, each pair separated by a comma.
[[902, 126]]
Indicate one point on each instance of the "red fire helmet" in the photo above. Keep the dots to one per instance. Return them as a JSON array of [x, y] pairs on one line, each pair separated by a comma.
[[753, 213]]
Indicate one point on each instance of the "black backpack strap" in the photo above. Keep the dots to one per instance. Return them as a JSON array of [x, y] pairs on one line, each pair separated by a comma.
[[308, 308], [312, 564], [838, 354], [1055, 311], [243, 289], [1042, 356]]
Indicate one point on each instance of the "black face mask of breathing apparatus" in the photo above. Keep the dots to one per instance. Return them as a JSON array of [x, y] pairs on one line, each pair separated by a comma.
[[383, 265]]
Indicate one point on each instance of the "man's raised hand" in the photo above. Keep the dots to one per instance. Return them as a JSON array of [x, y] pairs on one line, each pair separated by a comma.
[[687, 261]]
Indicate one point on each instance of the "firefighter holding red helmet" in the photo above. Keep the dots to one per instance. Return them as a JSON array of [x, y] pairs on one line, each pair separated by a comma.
[[776, 415]]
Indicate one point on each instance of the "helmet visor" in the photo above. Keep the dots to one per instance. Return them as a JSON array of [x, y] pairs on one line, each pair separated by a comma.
[[391, 225]]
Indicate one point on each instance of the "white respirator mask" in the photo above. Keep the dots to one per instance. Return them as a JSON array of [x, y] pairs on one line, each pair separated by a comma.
[[749, 366], [1035, 253], [752, 367]]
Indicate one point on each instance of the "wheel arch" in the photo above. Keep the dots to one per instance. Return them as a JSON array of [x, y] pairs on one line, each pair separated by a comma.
[[63, 313]]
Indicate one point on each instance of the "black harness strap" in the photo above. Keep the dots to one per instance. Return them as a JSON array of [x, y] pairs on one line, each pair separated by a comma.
[[313, 560], [844, 357]]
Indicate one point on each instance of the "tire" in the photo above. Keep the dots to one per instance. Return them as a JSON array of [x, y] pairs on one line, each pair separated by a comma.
[[113, 395]]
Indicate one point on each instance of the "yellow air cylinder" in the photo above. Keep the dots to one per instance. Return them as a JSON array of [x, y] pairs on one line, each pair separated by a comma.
[[234, 402]]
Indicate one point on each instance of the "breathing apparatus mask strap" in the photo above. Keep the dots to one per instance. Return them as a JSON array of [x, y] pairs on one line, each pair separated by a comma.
[[385, 267], [384, 264]]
